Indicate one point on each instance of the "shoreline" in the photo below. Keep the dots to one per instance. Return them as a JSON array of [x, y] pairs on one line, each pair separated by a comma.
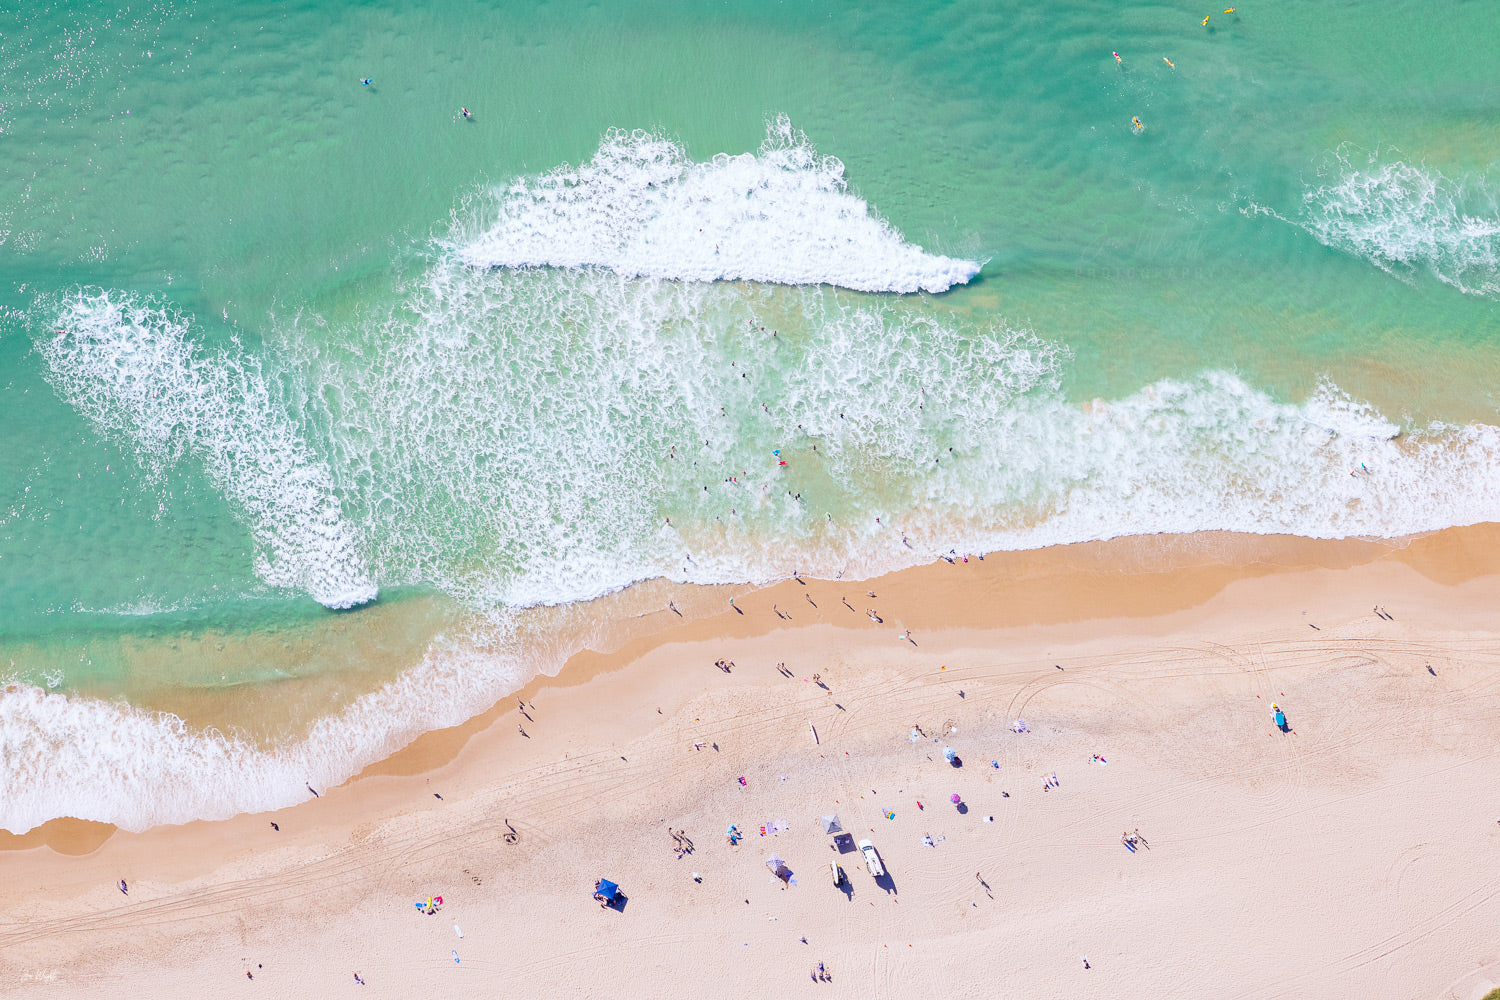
[[636, 619], [1146, 649]]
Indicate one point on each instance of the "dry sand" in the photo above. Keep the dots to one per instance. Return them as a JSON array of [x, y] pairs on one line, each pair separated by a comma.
[[1358, 855]]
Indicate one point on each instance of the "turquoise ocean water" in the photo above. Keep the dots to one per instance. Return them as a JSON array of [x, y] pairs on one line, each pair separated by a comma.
[[310, 387]]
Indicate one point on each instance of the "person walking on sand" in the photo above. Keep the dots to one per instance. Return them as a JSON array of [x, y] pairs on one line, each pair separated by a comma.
[[124, 889]]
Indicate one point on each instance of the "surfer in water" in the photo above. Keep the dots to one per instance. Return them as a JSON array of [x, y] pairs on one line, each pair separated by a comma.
[[1135, 125]]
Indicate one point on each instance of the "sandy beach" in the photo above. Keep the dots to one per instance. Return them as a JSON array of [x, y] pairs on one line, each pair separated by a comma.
[[1353, 855]]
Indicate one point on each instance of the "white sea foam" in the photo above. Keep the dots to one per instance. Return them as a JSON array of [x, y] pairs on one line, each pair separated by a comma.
[[1213, 453], [508, 435], [642, 207], [108, 762], [129, 366], [1405, 218]]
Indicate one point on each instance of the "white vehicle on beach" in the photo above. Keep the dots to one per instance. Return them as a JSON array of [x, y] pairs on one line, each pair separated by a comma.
[[872, 860]]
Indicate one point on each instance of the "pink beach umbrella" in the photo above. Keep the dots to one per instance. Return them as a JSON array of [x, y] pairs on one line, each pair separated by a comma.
[[954, 798]]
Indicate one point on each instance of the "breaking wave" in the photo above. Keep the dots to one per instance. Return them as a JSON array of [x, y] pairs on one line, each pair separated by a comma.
[[1405, 219], [642, 208], [64, 755], [129, 366]]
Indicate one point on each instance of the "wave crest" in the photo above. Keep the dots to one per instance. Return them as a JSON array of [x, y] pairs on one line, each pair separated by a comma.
[[642, 208]]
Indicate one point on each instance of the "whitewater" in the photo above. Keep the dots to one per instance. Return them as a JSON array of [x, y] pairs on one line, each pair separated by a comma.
[[1406, 218], [643, 208]]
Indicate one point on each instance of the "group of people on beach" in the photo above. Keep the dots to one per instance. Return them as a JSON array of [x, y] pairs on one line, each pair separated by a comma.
[[684, 845]]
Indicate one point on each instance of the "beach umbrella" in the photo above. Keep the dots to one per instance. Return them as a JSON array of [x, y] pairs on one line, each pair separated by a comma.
[[948, 754], [954, 798], [831, 824]]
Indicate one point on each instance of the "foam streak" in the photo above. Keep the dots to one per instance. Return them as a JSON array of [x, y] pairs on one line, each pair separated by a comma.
[[129, 367]]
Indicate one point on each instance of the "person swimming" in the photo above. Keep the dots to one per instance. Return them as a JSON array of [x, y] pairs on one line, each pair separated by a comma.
[[366, 81]]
